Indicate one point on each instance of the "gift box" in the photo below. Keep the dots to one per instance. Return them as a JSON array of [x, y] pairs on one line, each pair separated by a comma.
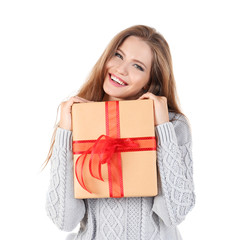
[[114, 149]]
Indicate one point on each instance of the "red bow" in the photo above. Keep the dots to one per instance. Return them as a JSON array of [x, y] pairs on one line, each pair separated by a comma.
[[105, 150]]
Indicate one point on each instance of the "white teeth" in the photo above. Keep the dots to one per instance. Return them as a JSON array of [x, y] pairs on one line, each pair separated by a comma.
[[117, 80]]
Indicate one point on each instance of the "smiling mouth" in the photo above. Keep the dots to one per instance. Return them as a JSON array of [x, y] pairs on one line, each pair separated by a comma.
[[117, 80]]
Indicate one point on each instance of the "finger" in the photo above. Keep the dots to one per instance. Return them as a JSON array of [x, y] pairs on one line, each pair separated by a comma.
[[77, 99], [71, 101], [145, 95], [83, 99]]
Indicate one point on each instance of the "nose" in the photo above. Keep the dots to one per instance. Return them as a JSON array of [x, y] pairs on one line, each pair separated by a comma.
[[122, 68]]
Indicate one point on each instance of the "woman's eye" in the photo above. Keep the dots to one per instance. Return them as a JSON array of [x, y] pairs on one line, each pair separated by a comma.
[[118, 55], [139, 67]]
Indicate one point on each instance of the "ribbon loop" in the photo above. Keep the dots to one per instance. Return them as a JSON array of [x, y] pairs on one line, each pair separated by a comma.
[[105, 149]]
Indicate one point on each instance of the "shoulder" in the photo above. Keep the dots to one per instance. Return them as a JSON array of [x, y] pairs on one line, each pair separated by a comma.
[[182, 126], [177, 118]]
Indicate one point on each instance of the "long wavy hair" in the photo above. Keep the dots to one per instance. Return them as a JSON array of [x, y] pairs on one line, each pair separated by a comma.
[[161, 82]]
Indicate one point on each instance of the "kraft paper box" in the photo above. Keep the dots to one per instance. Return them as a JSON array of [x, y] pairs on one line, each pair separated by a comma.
[[114, 149]]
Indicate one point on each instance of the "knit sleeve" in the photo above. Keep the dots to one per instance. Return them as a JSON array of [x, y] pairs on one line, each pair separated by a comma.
[[175, 163], [62, 208]]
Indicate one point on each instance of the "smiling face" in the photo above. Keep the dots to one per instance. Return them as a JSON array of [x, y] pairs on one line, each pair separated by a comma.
[[128, 71]]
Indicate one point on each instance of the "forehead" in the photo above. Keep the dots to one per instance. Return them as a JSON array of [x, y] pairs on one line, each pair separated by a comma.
[[135, 48]]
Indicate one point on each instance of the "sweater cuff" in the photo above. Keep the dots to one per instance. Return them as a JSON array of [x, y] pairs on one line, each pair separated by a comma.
[[63, 138], [165, 133]]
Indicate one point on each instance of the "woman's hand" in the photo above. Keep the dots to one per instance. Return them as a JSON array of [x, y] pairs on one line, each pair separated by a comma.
[[161, 112], [66, 108]]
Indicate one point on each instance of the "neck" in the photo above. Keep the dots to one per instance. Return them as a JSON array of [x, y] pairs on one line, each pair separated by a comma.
[[110, 98]]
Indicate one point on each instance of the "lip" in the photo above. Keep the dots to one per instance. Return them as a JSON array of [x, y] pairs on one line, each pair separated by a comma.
[[117, 78]]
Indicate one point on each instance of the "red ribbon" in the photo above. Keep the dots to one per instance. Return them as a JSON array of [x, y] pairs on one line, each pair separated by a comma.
[[105, 149]]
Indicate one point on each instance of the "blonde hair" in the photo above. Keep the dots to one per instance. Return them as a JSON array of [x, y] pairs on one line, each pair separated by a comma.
[[161, 83]]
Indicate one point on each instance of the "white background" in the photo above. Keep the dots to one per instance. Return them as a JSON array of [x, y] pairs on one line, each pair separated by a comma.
[[47, 48]]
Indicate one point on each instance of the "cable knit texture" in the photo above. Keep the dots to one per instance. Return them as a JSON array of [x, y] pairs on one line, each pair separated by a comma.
[[144, 218]]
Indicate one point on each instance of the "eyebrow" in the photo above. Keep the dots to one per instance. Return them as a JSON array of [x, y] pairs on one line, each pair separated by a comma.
[[133, 59]]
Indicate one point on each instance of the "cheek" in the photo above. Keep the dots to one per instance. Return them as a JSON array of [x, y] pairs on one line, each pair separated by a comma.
[[112, 63], [139, 78], [108, 65]]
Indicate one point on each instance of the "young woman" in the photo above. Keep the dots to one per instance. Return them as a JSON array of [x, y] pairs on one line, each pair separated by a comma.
[[136, 64]]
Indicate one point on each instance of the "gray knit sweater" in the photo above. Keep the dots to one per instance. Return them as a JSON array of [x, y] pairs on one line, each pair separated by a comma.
[[126, 218]]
